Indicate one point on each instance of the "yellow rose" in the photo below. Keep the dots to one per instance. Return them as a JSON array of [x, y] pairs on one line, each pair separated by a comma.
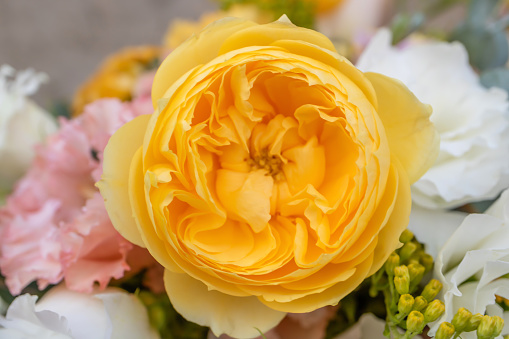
[[116, 77], [273, 176]]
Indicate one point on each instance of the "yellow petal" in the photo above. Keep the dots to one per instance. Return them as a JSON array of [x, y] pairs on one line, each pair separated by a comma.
[[265, 35], [197, 50], [412, 137], [114, 181], [397, 222], [246, 196], [238, 317]]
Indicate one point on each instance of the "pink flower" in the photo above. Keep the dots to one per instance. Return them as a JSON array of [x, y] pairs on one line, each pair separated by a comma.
[[54, 225]]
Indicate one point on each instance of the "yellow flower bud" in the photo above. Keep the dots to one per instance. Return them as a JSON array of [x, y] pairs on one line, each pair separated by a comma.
[[402, 279], [473, 322], [461, 319], [416, 272], [415, 322], [490, 327], [431, 290], [420, 303], [405, 304], [434, 310], [445, 331], [391, 263], [486, 328], [406, 236], [427, 262], [498, 324], [407, 250]]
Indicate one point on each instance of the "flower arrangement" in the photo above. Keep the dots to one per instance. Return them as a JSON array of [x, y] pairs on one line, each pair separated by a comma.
[[267, 172]]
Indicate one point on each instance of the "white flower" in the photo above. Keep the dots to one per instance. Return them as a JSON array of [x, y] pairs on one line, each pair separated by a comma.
[[22, 123], [472, 265], [433, 227], [64, 314], [473, 122]]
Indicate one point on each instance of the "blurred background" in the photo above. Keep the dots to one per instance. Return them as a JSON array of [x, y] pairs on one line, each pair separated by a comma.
[[68, 40]]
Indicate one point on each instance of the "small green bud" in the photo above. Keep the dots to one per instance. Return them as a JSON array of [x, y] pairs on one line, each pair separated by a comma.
[[461, 319], [413, 260], [427, 262], [445, 331], [416, 272], [405, 304], [420, 303], [415, 322], [486, 328], [431, 290], [391, 263], [498, 324], [434, 311], [473, 322], [406, 236], [490, 327], [407, 250], [402, 279]]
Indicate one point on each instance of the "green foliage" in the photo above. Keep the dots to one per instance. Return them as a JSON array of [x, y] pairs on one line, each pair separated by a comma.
[[301, 12], [486, 45], [404, 24]]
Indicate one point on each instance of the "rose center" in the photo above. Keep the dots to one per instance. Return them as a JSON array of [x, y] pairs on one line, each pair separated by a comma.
[[271, 163]]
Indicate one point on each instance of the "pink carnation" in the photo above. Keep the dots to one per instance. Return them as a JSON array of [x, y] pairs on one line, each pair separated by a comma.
[[54, 225]]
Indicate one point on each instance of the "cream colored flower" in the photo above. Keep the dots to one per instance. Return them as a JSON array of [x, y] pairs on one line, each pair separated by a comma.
[[473, 264], [65, 314], [23, 124], [473, 121]]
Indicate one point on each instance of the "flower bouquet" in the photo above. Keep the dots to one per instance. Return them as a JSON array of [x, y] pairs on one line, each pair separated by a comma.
[[280, 169]]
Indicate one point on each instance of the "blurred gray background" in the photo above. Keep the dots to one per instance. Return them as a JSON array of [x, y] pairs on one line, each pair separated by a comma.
[[68, 39]]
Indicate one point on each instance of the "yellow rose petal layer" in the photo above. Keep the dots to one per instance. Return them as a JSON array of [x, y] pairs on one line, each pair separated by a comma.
[[114, 182], [273, 173], [240, 317], [412, 136]]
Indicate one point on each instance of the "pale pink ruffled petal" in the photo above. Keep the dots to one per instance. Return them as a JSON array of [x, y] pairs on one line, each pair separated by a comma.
[[93, 251], [54, 225], [30, 248]]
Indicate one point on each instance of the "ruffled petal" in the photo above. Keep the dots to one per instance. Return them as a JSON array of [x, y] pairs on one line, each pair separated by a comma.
[[412, 137], [114, 182]]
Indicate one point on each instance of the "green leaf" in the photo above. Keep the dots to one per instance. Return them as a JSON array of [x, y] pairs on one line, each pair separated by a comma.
[[487, 46], [497, 77]]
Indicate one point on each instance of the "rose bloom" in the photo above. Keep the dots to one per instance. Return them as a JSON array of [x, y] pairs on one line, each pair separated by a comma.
[[273, 177]]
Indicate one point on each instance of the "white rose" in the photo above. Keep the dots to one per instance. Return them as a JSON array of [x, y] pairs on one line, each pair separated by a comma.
[[22, 123], [64, 314], [479, 248], [473, 121]]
